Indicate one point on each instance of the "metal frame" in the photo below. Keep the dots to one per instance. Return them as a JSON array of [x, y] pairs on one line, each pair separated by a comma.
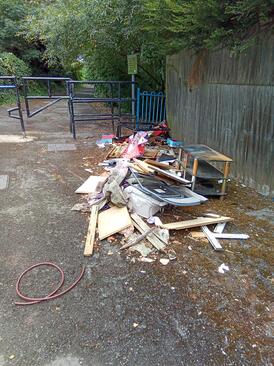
[[13, 85], [150, 109], [52, 98], [115, 98]]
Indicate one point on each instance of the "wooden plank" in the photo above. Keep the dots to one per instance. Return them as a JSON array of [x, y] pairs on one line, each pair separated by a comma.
[[150, 154], [91, 231], [93, 184], [219, 228], [112, 221], [211, 238], [200, 221], [144, 166], [158, 164], [140, 225], [225, 236]]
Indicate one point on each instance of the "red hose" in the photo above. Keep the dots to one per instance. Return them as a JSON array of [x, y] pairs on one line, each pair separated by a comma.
[[52, 295]]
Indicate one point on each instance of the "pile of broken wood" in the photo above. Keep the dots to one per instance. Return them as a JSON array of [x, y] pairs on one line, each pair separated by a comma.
[[110, 213]]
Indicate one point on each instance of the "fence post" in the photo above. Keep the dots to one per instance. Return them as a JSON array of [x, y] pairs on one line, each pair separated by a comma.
[[138, 108]]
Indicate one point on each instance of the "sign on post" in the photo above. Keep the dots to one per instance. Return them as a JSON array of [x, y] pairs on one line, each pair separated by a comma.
[[132, 64]]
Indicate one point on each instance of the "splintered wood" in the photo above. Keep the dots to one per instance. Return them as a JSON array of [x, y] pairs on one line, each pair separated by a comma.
[[141, 226], [91, 231], [112, 221]]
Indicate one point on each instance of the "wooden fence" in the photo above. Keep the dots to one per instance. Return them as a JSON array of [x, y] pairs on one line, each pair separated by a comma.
[[227, 102]]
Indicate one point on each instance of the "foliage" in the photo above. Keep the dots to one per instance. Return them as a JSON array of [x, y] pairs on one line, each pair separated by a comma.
[[12, 65], [208, 24], [100, 33]]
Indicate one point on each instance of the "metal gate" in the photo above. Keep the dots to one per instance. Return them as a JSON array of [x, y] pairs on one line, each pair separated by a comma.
[[116, 100], [115, 96], [10, 83], [150, 109]]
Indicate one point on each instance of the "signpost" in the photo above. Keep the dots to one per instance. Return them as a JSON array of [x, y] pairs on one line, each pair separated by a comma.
[[132, 64]]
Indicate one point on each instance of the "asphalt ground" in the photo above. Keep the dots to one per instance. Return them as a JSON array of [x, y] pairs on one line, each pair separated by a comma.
[[124, 312]]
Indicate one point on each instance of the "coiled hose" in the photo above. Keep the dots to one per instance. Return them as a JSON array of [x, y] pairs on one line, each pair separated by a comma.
[[53, 295]]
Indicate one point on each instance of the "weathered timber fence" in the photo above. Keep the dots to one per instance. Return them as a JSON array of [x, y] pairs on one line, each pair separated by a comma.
[[227, 102]]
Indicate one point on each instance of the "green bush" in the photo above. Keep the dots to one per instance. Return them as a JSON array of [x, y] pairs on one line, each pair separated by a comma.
[[12, 65]]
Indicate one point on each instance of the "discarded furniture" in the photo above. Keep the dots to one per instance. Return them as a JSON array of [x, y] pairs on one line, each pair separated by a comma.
[[162, 192], [205, 177], [10, 83]]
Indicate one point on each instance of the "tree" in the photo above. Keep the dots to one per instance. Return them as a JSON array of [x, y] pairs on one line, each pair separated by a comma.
[[100, 33]]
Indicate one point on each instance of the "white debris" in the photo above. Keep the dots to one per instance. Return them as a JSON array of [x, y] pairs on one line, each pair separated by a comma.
[[223, 268], [154, 220], [146, 260], [164, 261]]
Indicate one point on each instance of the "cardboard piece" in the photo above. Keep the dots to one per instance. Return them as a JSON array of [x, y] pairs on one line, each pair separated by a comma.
[[112, 221]]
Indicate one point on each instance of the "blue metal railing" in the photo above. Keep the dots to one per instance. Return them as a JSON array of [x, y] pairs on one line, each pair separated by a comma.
[[150, 109]]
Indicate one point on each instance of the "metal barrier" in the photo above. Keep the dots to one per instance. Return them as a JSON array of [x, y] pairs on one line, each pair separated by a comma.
[[150, 109], [10, 83], [112, 98], [52, 98]]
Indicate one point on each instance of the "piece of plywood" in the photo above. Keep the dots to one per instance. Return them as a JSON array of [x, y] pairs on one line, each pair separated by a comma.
[[93, 184], [211, 238], [112, 221], [141, 226], [91, 231], [200, 221]]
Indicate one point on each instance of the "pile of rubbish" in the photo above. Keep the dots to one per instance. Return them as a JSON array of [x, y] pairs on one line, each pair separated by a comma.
[[142, 175]]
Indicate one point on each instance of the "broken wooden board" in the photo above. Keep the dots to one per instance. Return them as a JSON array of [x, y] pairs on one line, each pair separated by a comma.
[[93, 184], [116, 151], [91, 231], [150, 154], [144, 166], [211, 238], [112, 221], [158, 164], [200, 221], [143, 227]]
